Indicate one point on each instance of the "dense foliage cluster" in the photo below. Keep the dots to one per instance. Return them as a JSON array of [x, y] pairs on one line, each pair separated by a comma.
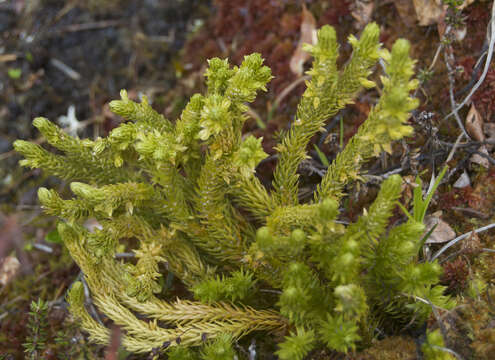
[[187, 191]]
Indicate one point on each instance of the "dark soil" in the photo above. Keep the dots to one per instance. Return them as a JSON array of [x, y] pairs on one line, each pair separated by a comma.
[[107, 46]]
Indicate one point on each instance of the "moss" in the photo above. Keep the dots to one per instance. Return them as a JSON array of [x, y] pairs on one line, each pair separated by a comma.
[[392, 348], [187, 193]]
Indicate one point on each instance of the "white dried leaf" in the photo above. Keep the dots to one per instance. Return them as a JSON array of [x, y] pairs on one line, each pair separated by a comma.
[[460, 34], [69, 121], [463, 181], [9, 268], [308, 36]]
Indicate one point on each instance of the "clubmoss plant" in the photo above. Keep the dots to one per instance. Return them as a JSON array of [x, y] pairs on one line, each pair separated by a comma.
[[187, 191], [37, 324]]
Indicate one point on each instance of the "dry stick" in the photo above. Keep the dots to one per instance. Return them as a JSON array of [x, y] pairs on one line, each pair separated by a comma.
[[433, 308], [68, 7], [450, 351], [448, 58], [251, 112], [91, 26], [435, 58], [378, 179], [43, 247], [441, 326], [472, 212], [88, 300], [476, 71], [66, 69], [455, 107], [433, 62], [454, 148], [467, 144], [8, 57], [288, 89], [459, 238], [490, 34], [284, 93]]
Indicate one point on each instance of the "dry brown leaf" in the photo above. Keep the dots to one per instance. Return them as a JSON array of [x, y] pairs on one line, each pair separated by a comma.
[[474, 127], [361, 11], [442, 233], [408, 185], [308, 36], [429, 12], [474, 124], [406, 11], [465, 4], [9, 268]]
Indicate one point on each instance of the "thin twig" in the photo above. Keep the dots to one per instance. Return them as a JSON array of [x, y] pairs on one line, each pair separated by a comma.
[[286, 91], [437, 54], [278, 292], [459, 238], [472, 212], [89, 301], [450, 351], [259, 121], [378, 179], [468, 144], [475, 72], [450, 75], [44, 248], [67, 70], [125, 255], [437, 316], [441, 326], [454, 148], [91, 26], [491, 36]]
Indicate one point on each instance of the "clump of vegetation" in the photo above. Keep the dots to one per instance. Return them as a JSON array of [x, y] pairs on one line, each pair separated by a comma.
[[37, 324], [187, 192]]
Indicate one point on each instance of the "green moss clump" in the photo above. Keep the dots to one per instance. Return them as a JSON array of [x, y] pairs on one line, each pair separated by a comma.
[[186, 190]]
